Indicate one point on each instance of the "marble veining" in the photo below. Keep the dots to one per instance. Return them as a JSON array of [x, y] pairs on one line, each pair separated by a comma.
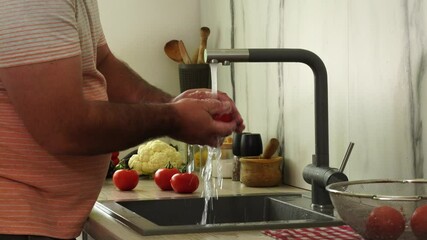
[[280, 44], [232, 73], [416, 74]]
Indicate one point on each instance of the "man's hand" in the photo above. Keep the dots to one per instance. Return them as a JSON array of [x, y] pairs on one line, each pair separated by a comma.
[[221, 96], [195, 124]]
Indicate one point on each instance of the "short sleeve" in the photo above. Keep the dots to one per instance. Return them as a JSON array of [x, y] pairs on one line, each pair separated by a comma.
[[37, 31]]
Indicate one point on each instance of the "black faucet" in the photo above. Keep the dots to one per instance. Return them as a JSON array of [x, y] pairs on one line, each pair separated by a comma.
[[318, 174]]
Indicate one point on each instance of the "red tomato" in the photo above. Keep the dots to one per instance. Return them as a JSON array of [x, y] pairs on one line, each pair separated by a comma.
[[419, 222], [125, 179], [184, 182], [115, 158], [224, 117], [163, 176], [115, 161], [385, 223], [114, 155]]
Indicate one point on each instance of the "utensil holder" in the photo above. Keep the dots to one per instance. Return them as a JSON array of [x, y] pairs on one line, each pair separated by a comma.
[[194, 76]]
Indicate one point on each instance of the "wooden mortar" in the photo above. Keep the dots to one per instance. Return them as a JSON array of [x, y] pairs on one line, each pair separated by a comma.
[[260, 172]]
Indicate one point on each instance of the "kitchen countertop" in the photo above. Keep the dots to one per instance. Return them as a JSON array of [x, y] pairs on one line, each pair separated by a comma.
[[102, 226]]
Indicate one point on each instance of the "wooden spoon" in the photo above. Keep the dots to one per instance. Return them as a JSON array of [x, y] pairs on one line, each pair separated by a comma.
[[204, 34], [195, 56], [172, 51], [184, 53]]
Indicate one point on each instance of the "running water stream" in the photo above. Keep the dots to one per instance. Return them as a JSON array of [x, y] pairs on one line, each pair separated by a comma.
[[214, 77], [214, 154]]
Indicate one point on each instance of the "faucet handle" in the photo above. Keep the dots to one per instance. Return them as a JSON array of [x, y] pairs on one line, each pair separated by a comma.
[[324, 176], [346, 156], [339, 176]]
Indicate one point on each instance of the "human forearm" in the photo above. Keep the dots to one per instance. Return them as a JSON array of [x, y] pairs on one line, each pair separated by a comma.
[[105, 127], [49, 99], [102, 127]]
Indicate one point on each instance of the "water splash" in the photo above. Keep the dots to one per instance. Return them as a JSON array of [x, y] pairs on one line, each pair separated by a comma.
[[214, 154], [210, 187]]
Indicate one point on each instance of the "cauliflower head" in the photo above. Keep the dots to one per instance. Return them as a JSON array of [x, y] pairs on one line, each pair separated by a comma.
[[153, 155]]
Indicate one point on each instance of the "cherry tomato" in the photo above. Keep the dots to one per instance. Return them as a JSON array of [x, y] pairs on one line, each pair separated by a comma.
[[419, 222], [163, 176], [115, 161], [115, 158], [125, 179], [184, 182], [224, 117], [385, 223], [114, 155]]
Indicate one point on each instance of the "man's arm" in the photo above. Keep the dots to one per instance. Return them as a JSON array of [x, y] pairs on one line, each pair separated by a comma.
[[124, 84], [49, 99]]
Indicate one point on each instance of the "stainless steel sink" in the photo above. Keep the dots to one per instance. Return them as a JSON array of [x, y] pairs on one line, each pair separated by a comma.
[[226, 213]]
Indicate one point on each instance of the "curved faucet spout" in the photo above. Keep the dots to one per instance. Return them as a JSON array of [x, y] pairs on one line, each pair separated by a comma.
[[291, 55], [320, 165]]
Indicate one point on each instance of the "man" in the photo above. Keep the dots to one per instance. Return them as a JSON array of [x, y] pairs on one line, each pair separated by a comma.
[[65, 103]]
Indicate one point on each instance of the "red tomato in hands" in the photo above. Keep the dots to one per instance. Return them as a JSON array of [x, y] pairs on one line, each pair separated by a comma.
[[184, 182], [385, 223], [125, 179], [419, 222], [224, 117], [163, 176]]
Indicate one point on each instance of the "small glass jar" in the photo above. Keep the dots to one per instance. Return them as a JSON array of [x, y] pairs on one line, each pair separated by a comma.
[[236, 169], [226, 151]]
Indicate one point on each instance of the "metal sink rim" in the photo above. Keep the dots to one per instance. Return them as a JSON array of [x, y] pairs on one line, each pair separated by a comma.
[[146, 227]]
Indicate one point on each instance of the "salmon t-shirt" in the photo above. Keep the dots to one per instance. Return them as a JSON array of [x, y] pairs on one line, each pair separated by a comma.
[[43, 194]]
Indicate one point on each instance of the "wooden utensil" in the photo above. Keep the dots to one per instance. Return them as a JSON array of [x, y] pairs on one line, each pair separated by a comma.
[[204, 34], [172, 50], [270, 149], [184, 54], [195, 56]]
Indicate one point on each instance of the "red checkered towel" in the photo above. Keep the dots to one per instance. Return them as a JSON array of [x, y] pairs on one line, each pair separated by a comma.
[[344, 232]]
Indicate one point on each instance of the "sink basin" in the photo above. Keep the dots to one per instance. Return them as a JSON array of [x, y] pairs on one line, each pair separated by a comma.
[[226, 213]]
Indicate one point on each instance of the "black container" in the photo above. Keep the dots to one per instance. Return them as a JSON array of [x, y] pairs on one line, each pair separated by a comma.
[[194, 76], [251, 145], [237, 137], [236, 147]]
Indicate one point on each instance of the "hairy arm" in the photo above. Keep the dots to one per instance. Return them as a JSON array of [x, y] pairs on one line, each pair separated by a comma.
[[49, 99]]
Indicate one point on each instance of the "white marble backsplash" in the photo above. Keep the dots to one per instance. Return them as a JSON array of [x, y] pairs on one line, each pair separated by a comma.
[[375, 54]]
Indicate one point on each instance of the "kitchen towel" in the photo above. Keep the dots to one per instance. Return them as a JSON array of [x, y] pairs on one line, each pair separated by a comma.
[[344, 232]]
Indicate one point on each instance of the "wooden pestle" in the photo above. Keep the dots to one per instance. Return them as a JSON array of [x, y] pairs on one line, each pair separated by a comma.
[[270, 149]]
